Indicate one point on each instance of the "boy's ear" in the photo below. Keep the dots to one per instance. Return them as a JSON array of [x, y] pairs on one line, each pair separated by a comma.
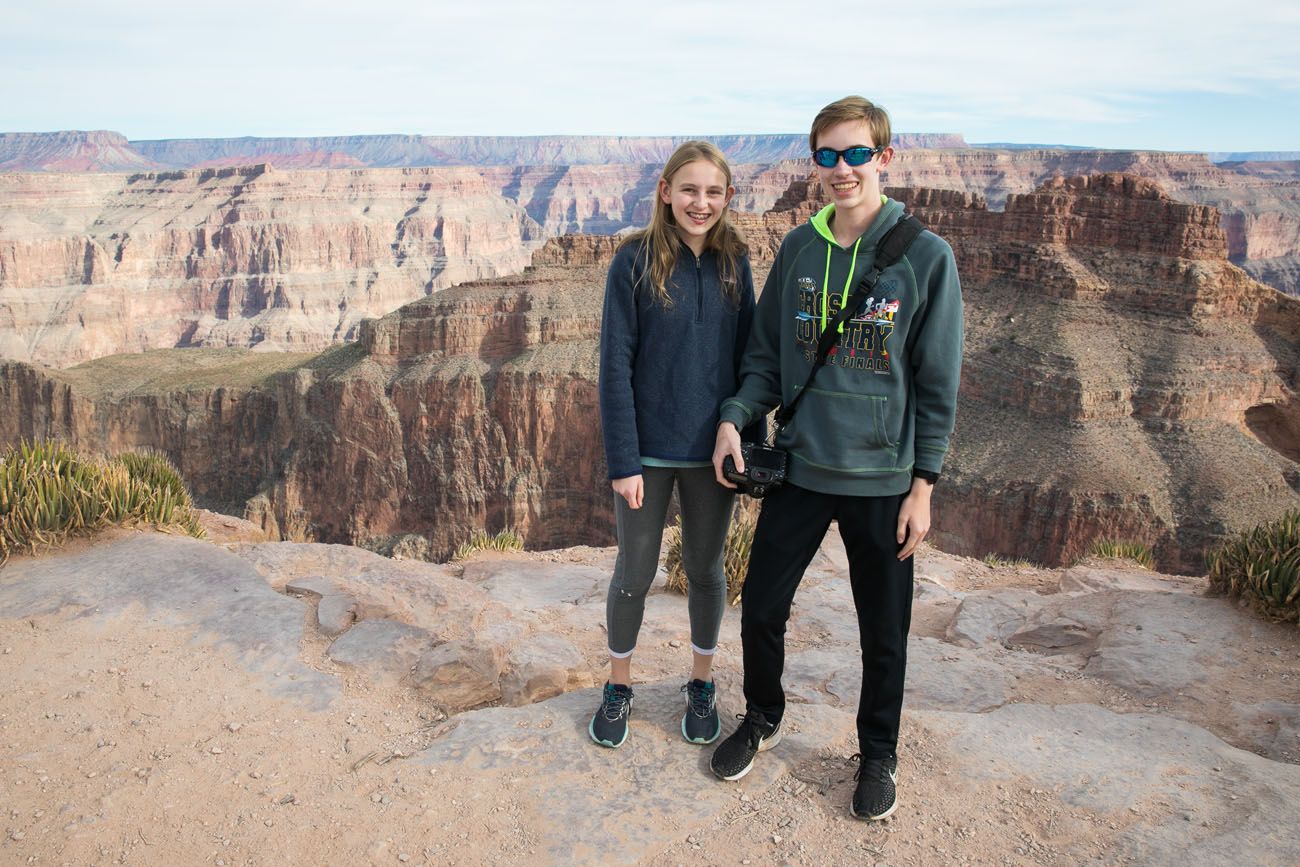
[[886, 155], [665, 192]]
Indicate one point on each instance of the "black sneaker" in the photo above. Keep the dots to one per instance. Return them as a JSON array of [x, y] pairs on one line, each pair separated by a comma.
[[735, 756], [609, 724], [700, 723], [875, 797]]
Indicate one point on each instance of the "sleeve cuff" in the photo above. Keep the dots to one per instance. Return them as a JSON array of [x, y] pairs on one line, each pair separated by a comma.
[[929, 475]]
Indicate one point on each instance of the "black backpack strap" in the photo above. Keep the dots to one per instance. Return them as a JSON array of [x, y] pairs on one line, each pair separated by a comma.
[[892, 247]]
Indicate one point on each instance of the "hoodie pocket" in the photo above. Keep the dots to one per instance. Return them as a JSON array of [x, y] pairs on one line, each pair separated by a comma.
[[843, 432]]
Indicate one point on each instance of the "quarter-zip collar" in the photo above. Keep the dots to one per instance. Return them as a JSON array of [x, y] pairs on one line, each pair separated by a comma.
[[699, 276]]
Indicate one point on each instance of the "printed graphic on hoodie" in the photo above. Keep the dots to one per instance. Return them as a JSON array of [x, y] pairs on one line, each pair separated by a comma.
[[863, 342]]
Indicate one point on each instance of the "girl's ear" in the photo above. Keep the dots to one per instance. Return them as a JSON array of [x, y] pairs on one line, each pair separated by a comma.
[[665, 192], [731, 191]]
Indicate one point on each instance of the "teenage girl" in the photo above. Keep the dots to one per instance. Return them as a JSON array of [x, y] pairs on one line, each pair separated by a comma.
[[678, 306]]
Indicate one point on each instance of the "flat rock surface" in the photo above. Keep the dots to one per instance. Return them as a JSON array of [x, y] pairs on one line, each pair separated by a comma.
[[149, 673]]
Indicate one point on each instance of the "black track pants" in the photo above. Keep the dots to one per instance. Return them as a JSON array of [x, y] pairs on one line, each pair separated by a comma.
[[790, 529]]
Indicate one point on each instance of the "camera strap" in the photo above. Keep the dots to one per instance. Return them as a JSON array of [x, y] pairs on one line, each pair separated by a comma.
[[893, 246]]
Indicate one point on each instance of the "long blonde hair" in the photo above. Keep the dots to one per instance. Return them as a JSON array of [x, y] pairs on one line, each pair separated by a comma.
[[659, 241]]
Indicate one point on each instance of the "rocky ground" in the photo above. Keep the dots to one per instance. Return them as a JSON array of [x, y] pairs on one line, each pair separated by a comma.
[[170, 701]]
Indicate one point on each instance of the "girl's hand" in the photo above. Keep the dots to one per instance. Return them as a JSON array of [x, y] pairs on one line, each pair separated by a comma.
[[631, 489]]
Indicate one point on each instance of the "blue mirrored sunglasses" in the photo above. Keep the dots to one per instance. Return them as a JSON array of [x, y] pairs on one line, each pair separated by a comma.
[[854, 156]]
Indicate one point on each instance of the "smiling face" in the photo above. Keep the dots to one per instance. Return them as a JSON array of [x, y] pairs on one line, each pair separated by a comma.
[[852, 187], [698, 196]]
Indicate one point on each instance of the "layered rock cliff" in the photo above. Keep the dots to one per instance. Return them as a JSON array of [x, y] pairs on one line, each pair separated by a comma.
[[110, 151], [1123, 381], [473, 408], [70, 151], [92, 265]]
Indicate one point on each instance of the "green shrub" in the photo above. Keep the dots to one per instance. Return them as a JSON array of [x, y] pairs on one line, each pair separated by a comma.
[[49, 492], [506, 540], [1262, 566], [735, 560], [1109, 549], [996, 561]]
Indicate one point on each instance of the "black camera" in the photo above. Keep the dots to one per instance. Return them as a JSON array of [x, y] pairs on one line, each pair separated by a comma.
[[764, 469]]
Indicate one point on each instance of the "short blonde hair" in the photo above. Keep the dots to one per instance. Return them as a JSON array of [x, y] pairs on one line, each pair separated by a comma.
[[852, 109]]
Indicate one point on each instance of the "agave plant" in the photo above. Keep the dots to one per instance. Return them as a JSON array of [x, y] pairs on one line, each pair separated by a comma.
[[1109, 549], [735, 553], [48, 491], [1262, 566]]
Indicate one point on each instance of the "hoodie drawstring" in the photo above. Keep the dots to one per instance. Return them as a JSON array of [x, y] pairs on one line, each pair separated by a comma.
[[826, 279]]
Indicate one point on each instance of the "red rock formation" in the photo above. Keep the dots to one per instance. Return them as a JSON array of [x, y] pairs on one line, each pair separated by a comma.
[[70, 151], [93, 265], [1122, 381]]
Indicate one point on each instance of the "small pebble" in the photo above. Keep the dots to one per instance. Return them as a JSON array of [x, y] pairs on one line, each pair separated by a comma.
[[16, 835], [234, 726], [777, 838], [674, 643], [216, 751], [403, 857]]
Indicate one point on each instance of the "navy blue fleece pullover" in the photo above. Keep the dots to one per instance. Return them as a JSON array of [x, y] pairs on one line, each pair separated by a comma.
[[665, 370]]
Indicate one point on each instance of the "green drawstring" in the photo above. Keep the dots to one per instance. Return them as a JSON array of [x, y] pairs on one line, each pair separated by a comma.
[[848, 281]]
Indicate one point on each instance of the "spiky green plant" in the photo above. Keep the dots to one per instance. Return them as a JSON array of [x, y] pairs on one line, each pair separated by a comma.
[[159, 491], [48, 492], [505, 540], [735, 553], [1111, 549], [1262, 566], [995, 561]]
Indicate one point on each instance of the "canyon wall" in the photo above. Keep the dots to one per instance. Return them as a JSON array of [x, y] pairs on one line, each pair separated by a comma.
[[103, 150], [1122, 381], [98, 264], [93, 264]]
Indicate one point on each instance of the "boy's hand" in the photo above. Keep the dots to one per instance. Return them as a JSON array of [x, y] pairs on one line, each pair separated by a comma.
[[914, 517], [631, 489], [727, 443]]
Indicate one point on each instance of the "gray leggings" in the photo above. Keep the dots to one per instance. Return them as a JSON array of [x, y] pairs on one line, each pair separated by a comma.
[[706, 513]]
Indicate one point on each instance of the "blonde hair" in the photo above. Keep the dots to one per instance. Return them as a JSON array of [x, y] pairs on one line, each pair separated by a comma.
[[852, 109], [659, 241]]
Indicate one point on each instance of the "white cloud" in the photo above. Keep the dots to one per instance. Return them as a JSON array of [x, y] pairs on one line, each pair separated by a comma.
[[499, 66]]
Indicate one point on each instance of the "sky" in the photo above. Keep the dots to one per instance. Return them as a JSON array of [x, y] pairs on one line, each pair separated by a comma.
[[1191, 75]]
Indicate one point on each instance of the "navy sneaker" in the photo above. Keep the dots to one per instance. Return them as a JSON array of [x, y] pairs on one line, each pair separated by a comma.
[[700, 722], [876, 796], [609, 724], [735, 756]]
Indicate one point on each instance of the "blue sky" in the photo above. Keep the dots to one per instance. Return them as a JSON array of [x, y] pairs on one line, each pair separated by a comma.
[[1177, 76]]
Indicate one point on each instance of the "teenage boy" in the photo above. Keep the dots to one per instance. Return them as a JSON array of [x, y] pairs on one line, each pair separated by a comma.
[[866, 444]]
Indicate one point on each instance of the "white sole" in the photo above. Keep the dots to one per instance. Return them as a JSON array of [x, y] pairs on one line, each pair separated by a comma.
[[884, 815], [763, 746]]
